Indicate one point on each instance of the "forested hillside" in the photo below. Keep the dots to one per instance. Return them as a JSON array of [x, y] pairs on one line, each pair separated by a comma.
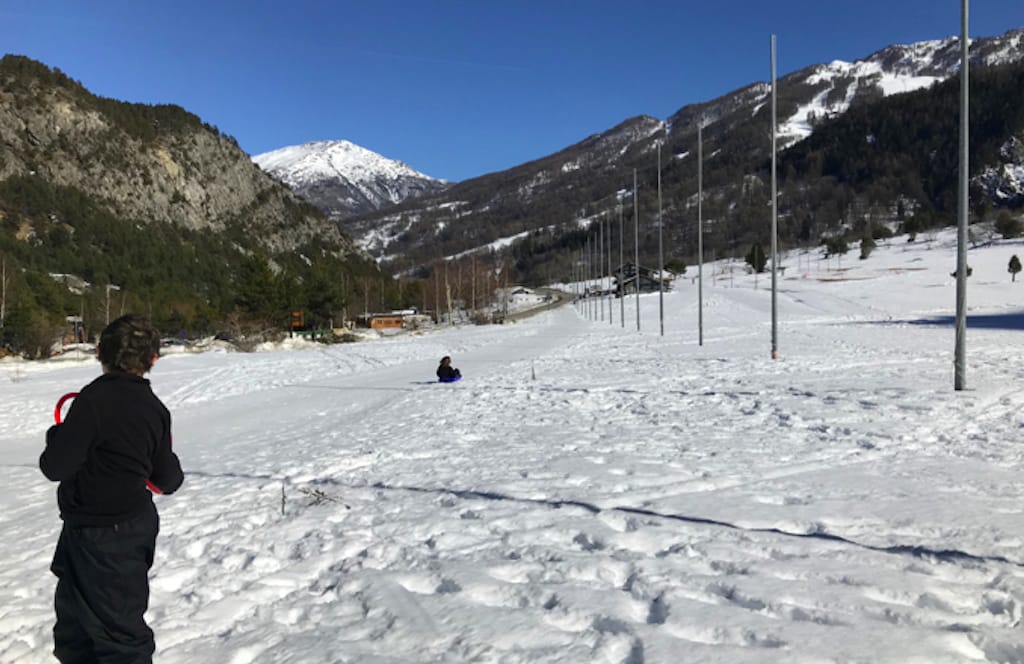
[[150, 208], [853, 152]]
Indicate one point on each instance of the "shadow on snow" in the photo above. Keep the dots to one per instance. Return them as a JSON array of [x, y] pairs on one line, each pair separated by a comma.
[[943, 555], [1007, 321]]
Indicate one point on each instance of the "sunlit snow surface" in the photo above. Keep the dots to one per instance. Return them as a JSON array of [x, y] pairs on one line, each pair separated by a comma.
[[587, 493]]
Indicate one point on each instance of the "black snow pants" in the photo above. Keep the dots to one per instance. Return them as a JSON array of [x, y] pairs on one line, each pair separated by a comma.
[[103, 592]]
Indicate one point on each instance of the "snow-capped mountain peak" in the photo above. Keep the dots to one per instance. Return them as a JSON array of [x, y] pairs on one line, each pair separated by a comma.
[[320, 160], [343, 178]]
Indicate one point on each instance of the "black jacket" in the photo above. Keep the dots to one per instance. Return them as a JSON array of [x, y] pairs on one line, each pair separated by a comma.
[[446, 372], [117, 435]]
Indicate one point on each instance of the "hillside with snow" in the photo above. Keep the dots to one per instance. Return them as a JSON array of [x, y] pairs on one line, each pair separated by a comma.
[[343, 179], [541, 201], [893, 70], [589, 492]]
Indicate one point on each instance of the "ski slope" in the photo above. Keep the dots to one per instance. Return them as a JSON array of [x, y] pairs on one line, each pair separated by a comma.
[[587, 493]]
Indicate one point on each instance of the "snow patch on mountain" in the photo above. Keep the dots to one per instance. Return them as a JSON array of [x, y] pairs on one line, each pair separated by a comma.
[[1008, 51], [893, 70], [1005, 182], [856, 77]]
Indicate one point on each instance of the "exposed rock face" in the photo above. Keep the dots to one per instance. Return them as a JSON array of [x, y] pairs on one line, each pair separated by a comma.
[[146, 163]]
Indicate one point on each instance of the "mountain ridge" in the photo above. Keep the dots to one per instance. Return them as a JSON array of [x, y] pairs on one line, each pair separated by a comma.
[[154, 202], [342, 178], [551, 195]]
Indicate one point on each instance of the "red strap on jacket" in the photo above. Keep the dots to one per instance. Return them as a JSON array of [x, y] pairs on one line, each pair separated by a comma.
[[57, 418]]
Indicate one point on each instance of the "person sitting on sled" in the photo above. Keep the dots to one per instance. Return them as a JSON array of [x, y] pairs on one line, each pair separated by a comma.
[[446, 373]]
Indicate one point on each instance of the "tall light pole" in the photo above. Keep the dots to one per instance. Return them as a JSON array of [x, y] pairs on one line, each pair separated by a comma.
[[600, 265], [579, 282], [775, 224], [590, 276], [583, 277], [586, 279], [636, 251], [110, 287], [575, 287], [700, 234], [960, 354], [608, 246], [661, 254], [622, 269], [594, 269]]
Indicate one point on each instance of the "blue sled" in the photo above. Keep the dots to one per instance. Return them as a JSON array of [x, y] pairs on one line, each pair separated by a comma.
[[453, 379]]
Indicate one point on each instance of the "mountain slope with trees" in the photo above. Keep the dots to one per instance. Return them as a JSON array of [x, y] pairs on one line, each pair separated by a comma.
[[153, 204], [539, 210]]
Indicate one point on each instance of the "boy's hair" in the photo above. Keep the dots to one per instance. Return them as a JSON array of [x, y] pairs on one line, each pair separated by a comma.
[[129, 344]]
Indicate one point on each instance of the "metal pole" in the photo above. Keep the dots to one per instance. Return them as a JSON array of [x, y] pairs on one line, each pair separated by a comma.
[[661, 254], [622, 270], [576, 282], [611, 303], [586, 279], [590, 276], [593, 270], [583, 278], [636, 251], [700, 235], [960, 354], [600, 268], [586, 282], [775, 223], [579, 281]]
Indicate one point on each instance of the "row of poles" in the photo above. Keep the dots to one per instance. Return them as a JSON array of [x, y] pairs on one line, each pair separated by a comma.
[[595, 265], [590, 265]]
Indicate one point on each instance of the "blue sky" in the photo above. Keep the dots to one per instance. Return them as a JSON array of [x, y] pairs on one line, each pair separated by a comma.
[[455, 88]]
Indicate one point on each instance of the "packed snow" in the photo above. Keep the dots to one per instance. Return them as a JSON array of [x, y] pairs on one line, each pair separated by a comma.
[[588, 492]]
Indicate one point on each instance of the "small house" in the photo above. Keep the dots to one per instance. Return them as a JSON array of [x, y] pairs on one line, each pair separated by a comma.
[[387, 322], [627, 277]]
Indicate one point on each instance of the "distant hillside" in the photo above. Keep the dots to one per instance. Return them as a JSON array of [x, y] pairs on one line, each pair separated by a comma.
[[344, 179], [898, 159], [545, 203], [154, 201]]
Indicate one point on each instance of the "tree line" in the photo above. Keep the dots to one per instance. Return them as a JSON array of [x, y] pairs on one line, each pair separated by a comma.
[[189, 282]]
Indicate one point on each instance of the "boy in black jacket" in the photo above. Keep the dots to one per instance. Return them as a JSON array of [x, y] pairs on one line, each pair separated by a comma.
[[116, 436]]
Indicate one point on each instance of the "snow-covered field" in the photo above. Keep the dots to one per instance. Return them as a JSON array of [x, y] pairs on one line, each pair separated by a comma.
[[587, 493]]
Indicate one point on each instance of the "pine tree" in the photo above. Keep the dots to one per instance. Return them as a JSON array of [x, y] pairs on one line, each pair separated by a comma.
[[756, 258], [867, 245], [1007, 225], [1014, 267]]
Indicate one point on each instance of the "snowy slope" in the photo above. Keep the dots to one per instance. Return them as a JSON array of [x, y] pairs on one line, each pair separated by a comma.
[[343, 178], [893, 70], [587, 175], [588, 493]]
